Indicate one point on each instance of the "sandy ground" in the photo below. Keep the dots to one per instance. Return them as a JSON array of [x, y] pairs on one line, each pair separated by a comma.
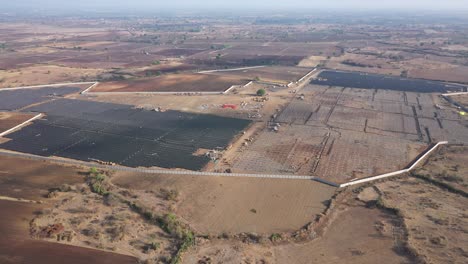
[[214, 205]]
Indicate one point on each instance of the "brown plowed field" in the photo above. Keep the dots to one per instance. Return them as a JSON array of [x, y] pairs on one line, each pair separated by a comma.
[[178, 52], [173, 83], [11, 119], [456, 74], [277, 74], [165, 68]]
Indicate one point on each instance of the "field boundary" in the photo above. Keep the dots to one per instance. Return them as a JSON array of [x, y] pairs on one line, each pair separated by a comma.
[[450, 94], [390, 174], [6, 132], [89, 88], [88, 91], [46, 85], [149, 93], [235, 69]]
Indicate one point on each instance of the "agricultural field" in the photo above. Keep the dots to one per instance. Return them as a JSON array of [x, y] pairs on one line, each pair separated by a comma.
[[175, 83]]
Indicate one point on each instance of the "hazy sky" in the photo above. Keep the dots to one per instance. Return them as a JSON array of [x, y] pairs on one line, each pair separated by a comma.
[[241, 4]]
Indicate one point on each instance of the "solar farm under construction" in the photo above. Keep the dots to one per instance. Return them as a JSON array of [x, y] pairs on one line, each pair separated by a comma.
[[258, 142]]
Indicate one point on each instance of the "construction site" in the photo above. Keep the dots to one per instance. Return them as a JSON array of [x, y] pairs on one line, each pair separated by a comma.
[[204, 145]]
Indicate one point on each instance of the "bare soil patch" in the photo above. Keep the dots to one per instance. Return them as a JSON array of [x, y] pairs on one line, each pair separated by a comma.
[[173, 83], [213, 205], [356, 233], [31, 179], [452, 74]]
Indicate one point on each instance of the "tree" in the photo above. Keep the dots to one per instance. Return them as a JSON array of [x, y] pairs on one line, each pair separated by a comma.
[[261, 92]]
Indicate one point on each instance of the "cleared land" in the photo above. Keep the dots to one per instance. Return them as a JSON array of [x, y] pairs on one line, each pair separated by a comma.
[[173, 83], [405, 220], [236, 205], [340, 134], [366, 235]]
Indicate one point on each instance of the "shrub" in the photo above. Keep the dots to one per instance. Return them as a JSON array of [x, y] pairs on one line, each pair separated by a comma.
[[169, 195], [261, 92], [453, 178], [96, 181], [153, 245], [93, 171], [275, 237]]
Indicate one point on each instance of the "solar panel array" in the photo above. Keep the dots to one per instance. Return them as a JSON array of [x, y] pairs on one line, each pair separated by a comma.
[[86, 130], [16, 99], [379, 81]]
